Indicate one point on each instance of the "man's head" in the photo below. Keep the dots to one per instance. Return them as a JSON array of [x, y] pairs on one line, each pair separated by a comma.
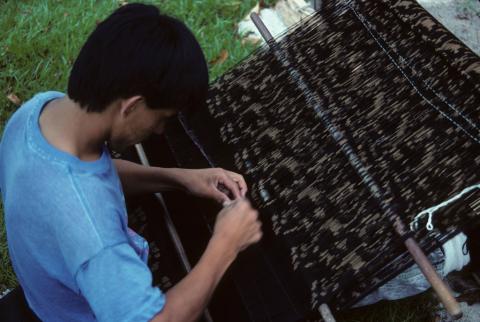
[[148, 65]]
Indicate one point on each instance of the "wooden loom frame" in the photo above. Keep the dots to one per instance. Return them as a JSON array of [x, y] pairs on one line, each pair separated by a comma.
[[439, 286]]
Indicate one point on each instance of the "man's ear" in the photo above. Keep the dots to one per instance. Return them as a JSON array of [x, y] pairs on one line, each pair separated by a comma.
[[129, 105]]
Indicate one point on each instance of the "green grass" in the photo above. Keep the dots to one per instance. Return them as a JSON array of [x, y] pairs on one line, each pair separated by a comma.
[[418, 308], [40, 39]]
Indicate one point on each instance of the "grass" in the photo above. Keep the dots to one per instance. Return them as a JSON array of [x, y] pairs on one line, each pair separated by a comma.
[[40, 39], [418, 308]]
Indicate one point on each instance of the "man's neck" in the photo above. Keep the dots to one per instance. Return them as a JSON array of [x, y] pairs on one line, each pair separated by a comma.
[[71, 129]]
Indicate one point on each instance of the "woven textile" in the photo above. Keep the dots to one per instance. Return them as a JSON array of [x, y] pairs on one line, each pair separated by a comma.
[[403, 91]]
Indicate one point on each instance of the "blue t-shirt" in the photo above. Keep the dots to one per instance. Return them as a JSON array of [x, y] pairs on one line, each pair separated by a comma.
[[67, 232]]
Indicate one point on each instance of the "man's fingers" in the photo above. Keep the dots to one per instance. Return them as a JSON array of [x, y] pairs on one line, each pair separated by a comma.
[[231, 185], [240, 181], [241, 204], [220, 197], [242, 185]]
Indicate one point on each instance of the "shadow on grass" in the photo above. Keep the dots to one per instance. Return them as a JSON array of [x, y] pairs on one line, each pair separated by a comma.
[[419, 308]]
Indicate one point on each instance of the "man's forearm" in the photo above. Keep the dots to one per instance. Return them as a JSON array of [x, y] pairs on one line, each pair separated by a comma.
[[188, 299], [138, 179]]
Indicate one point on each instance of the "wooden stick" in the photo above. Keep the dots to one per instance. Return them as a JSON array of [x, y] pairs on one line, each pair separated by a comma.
[[438, 285], [451, 305], [317, 4], [325, 311], [170, 226]]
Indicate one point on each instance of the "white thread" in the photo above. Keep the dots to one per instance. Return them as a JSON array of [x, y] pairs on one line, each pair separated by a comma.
[[441, 97], [194, 139], [406, 62], [263, 192], [430, 211], [362, 20]]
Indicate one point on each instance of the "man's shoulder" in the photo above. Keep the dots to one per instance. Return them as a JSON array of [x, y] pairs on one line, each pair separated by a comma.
[[18, 121], [37, 101]]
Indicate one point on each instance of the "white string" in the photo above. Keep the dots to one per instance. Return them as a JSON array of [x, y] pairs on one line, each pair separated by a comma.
[[263, 192], [194, 139], [427, 85], [364, 23], [430, 211]]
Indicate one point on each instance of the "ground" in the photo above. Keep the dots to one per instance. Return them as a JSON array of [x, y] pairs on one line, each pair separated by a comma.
[[39, 40], [461, 17]]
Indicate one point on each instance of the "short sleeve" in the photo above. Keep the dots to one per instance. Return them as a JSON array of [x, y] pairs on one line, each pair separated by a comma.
[[118, 286]]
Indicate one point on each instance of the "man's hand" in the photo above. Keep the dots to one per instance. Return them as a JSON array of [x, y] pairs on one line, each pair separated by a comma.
[[221, 185], [236, 228], [237, 225]]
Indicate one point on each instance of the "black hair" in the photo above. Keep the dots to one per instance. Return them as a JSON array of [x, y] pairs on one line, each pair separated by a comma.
[[139, 51]]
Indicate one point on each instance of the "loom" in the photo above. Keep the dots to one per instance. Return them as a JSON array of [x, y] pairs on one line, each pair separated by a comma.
[[399, 97]]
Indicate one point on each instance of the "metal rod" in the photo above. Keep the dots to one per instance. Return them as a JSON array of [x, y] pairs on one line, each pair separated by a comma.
[[170, 226], [314, 101]]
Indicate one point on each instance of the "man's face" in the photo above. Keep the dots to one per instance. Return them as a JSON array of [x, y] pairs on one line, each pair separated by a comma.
[[137, 123]]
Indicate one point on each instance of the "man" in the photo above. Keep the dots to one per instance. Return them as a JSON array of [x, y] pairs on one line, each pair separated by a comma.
[[65, 213]]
